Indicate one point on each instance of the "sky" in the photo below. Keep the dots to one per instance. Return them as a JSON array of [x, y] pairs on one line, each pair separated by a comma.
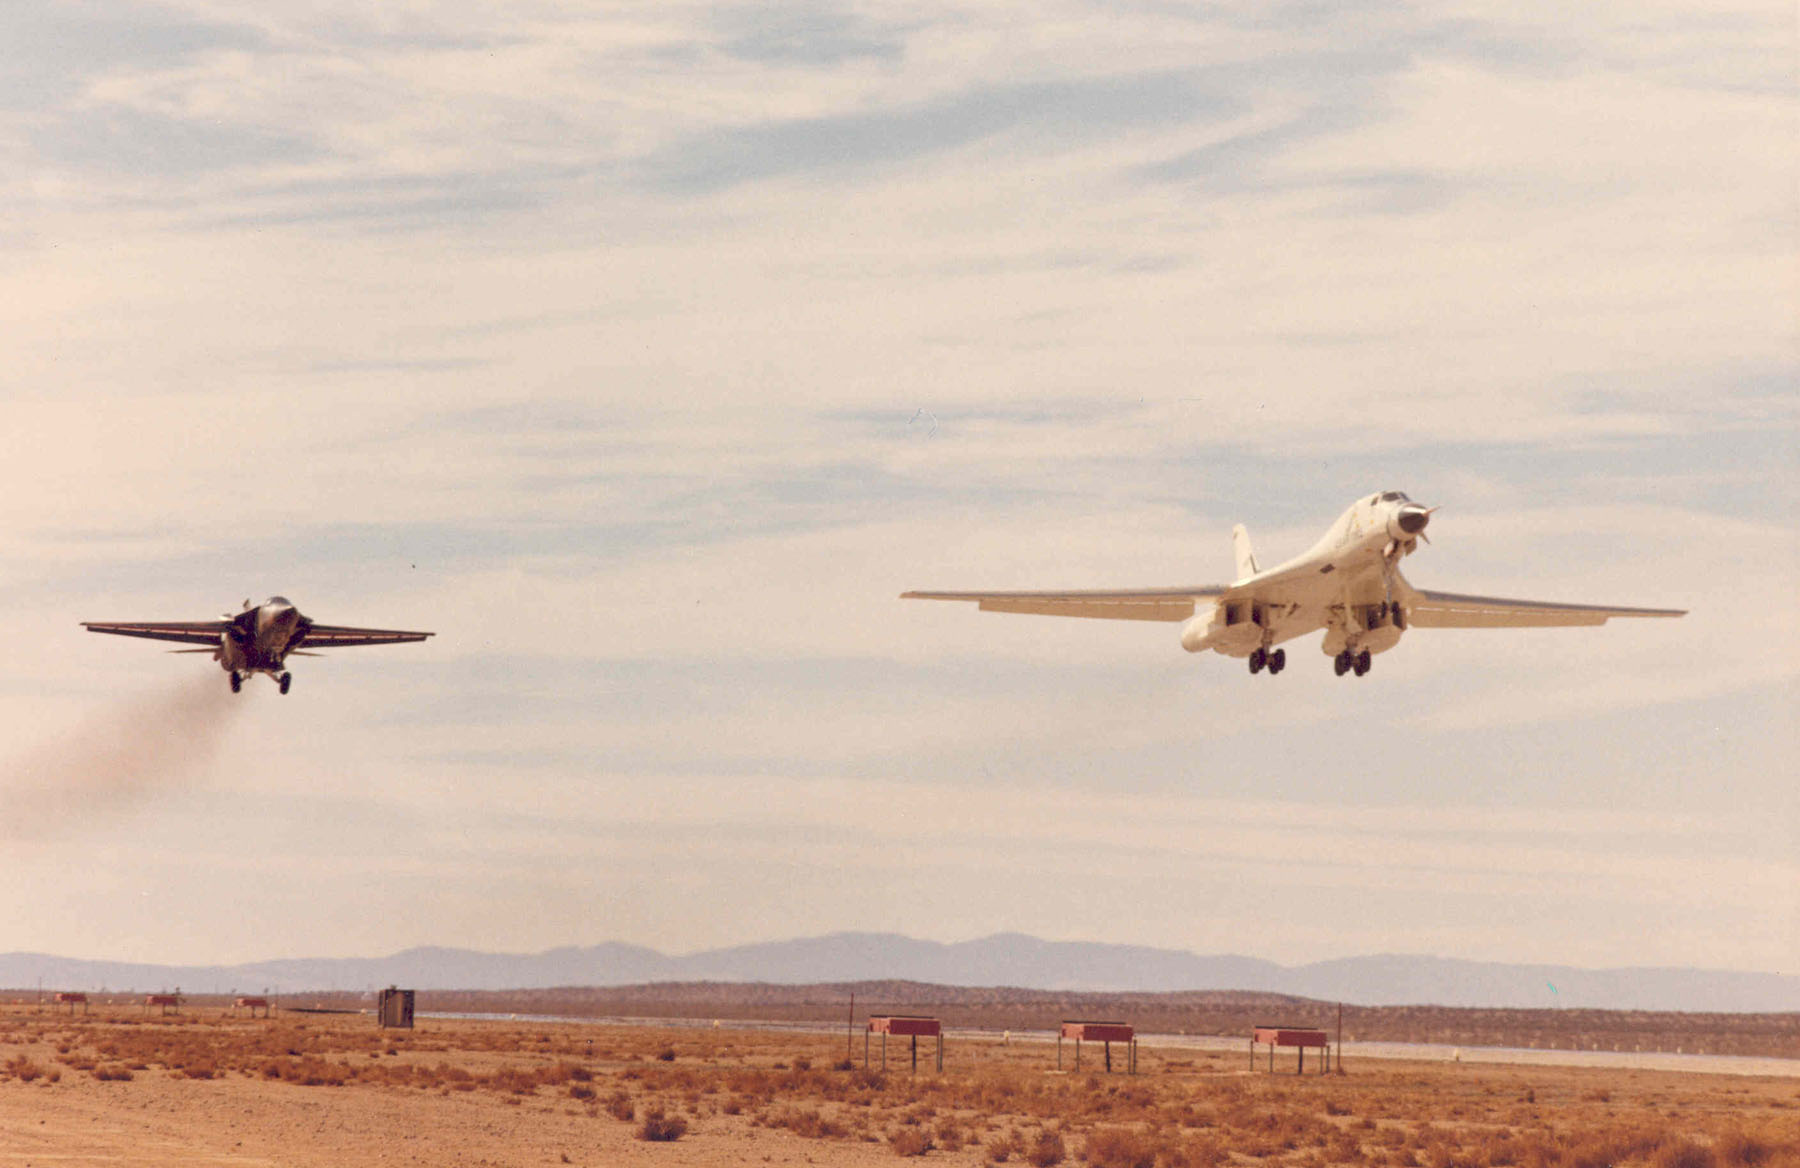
[[646, 352]]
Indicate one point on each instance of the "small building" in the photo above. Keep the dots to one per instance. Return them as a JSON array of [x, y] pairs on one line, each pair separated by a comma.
[[394, 1009], [1106, 1033], [1295, 1036], [911, 1026]]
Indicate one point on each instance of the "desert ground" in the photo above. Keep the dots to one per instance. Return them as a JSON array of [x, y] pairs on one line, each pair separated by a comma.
[[120, 1086]]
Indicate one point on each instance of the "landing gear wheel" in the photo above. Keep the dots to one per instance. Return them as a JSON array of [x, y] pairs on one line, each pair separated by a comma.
[[286, 679], [1258, 658], [1362, 663], [1341, 663], [237, 683], [1277, 661]]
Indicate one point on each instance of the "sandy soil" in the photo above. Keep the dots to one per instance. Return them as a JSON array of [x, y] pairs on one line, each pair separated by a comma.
[[213, 1090]]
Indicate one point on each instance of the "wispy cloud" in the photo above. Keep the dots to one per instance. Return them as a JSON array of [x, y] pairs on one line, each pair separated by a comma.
[[647, 354]]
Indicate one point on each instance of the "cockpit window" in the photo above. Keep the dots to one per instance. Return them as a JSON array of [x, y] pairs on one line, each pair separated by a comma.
[[1394, 497]]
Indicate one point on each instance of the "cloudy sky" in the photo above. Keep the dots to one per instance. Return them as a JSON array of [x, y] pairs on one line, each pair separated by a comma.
[[646, 352]]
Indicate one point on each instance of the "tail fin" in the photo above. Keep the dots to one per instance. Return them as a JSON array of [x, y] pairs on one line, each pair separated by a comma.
[[1240, 547]]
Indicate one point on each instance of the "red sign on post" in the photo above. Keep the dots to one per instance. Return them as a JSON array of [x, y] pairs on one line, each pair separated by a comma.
[[904, 1026], [1295, 1036]]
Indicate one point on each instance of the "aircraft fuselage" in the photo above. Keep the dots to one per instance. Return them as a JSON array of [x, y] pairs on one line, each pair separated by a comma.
[[1348, 583], [258, 639]]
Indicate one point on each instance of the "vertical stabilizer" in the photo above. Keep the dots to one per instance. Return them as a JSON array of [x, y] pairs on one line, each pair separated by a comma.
[[1240, 547]]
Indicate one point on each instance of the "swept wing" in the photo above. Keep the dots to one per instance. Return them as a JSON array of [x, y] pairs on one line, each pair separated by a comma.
[[184, 632], [1454, 610], [1145, 604], [344, 637]]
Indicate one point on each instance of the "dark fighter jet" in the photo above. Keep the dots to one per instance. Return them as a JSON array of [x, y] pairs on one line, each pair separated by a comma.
[[257, 639]]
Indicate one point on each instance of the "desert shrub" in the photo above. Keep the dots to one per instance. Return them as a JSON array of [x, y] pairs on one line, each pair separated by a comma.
[[659, 1128], [22, 1068], [1203, 1151], [1117, 1147], [112, 1073], [666, 1055], [808, 1122], [580, 1091], [1738, 1149], [618, 1105], [910, 1141], [1684, 1154], [1045, 1150]]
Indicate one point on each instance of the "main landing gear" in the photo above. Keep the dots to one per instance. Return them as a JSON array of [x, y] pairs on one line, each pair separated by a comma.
[[1275, 659], [1347, 661], [237, 681], [286, 680]]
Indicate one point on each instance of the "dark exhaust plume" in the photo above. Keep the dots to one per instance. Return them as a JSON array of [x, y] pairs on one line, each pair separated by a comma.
[[116, 760]]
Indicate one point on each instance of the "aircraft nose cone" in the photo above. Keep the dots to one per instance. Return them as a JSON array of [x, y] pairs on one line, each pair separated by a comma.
[[1412, 519]]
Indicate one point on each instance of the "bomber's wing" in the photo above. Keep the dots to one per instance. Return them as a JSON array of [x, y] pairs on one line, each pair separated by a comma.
[[1452, 610], [185, 632], [1146, 604], [345, 637]]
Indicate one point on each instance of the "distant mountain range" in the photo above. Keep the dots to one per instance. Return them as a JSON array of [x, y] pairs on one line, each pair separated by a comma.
[[1007, 959]]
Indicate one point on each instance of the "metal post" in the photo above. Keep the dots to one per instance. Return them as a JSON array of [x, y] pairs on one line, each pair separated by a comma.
[[1108, 1045], [884, 1050], [940, 1050], [915, 1052], [865, 1050], [1059, 1050], [850, 1027]]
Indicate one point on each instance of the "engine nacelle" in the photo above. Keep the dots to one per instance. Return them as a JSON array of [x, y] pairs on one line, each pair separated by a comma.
[[1233, 627], [1375, 627]]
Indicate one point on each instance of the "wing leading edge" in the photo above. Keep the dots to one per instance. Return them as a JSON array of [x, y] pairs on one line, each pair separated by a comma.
[[1143, 604], [1453, 610]]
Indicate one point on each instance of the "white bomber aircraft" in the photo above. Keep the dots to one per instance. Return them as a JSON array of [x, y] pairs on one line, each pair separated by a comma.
[[257, 639], [1348, 584]]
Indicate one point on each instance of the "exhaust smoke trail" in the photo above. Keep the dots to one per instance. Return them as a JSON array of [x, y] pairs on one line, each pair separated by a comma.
[[116, 760]]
